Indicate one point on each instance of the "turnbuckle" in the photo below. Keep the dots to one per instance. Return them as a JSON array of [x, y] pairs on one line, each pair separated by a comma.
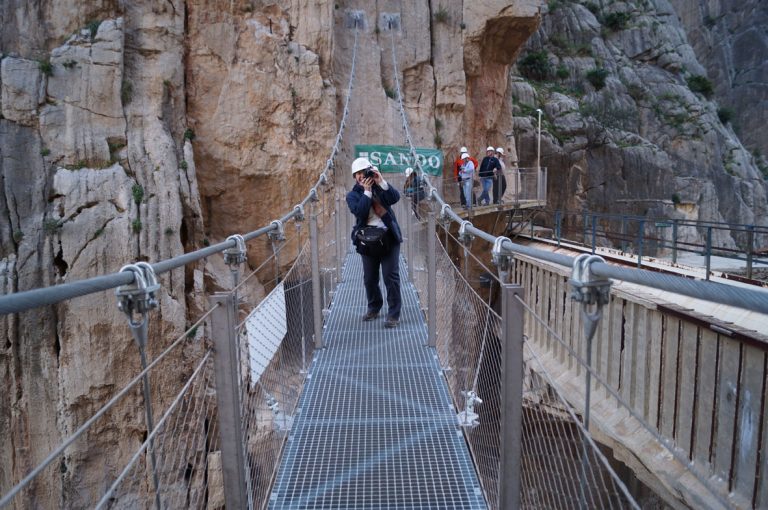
[[138, 297]]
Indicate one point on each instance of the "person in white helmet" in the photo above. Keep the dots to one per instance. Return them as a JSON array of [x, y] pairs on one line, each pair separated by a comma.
[[456, 169], [377, 238], [467, 174], [414, 188], [500, 183], [488, 173]]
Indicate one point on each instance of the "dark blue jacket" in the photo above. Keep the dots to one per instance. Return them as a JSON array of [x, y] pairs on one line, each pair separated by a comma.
[[359, 204], [489, 164]]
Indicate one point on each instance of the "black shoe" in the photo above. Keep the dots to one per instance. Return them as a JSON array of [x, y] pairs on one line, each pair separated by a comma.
[[369, 316], [391, 323]]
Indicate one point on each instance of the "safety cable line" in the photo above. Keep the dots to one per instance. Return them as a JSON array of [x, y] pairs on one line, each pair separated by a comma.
[[661, 439], [749, 299], [27, 300], [261, 266], [107, 495], [85, 426]]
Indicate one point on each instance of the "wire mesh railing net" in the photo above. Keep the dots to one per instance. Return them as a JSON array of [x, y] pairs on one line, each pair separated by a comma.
[[561, 466], [181, 465]]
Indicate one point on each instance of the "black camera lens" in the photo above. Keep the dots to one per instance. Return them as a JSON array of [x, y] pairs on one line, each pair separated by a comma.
[[369, 173]]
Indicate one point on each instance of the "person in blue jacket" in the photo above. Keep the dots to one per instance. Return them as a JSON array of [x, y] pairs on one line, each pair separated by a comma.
[[370, 201]]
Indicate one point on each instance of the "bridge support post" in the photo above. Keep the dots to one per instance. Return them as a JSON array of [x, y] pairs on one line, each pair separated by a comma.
[[512, 396], [431, 280], [314, 248], [227, 373], [750, 248]]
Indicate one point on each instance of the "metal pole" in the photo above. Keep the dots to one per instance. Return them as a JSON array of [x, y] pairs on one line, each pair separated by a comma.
[[750, 248], [708, 253], [584, 227], [431, 280], [640, 235], [594, 232], [317, 311], [409, 244], [558, 226], [674, 241], [624, 234], [228, 399], [140, 334], [339, 236], [512, 396]]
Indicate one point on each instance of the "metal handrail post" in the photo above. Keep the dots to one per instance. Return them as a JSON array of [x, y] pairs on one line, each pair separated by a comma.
[[227, 373], [409, 244], [640, 236], [512, 396], [339, 235], [584, 228], [594, 232], [431, 280], [624, 234], [750, 248], [558, 226], [317, 309], [674, 241], [708, 253]]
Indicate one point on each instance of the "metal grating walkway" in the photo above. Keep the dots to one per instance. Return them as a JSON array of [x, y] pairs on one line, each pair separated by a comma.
[[375, 427]]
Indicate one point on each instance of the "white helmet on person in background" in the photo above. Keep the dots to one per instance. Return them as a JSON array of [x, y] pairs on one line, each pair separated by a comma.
[[408, 171], [463, 150], [500, 150], [464, 155], [360, 164], [489, 148]]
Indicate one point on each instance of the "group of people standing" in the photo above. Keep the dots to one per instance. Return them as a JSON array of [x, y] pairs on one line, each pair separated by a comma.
[[490, 171]]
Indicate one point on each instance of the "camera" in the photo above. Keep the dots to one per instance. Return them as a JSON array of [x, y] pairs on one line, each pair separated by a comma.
[[369, 173]]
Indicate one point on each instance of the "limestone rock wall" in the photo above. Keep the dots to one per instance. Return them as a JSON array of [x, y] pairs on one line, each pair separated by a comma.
[[731, 42], [629, 126]]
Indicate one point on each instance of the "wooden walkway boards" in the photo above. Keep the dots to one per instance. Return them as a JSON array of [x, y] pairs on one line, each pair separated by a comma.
[[375, 427]]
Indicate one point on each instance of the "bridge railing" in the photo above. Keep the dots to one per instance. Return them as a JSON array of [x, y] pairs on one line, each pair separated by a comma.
[[524, 187], [665, 237]]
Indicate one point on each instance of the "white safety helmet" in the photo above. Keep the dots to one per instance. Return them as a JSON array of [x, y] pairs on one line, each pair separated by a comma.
[[360, 164], [464, 155], [463, 149], [500, 150], [489, 148], [408, 171]]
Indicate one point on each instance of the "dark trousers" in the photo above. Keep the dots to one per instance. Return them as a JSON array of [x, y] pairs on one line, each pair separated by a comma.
[[499, 187], [389, 265]]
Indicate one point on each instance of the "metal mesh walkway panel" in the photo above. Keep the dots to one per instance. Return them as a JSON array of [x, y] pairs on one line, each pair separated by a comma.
[[375, 427]]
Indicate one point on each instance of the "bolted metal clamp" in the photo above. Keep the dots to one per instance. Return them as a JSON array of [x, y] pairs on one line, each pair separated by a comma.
[[502, 260], [281, 422], [313, 195], [299, 215], [235, 255], [278, 232], [138, 298], [465, 237], [468, 417], [585, 287]]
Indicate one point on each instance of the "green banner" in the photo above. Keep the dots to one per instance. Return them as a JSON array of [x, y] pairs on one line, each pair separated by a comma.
[[395, 159]]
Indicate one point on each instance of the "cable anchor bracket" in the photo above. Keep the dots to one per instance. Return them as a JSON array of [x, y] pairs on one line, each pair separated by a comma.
[[465, 237], [138, 298], [587, 288], [235, 255], [502, 259], [277, 233]]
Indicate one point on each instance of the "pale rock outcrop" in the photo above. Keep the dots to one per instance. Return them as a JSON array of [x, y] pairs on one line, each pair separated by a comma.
[[84, 113], [23, 90]]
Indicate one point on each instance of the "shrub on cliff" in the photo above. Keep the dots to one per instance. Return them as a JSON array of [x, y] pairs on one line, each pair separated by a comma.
[[701, 85], [535, 65]]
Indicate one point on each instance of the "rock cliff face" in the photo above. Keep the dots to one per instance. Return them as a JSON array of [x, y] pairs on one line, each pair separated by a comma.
[[139, 130], [631, 121]]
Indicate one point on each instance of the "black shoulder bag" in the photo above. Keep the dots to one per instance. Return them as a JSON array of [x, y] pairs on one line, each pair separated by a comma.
[[371, 241]]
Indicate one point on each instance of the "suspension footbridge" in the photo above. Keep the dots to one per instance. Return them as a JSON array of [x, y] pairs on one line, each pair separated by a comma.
[[550, 387]]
